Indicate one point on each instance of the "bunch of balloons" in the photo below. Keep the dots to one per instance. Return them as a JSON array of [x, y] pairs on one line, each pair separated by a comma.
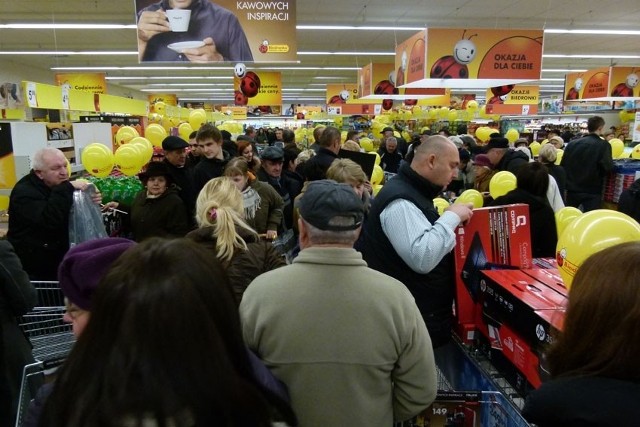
[[483, 133]]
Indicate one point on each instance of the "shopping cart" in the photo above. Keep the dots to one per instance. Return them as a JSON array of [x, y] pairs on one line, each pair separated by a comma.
[[51, 338]]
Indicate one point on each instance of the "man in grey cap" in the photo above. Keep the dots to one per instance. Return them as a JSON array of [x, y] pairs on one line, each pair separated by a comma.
[[271, 172], [175, 157], [348, 341]]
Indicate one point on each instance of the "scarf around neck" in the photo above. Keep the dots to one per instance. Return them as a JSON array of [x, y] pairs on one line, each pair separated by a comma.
[[251, 201]]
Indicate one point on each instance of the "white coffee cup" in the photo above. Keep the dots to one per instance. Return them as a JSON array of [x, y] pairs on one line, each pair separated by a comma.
[[179, 19]]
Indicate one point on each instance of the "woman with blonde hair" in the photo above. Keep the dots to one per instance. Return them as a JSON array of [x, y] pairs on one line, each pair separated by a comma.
[[223, 230]]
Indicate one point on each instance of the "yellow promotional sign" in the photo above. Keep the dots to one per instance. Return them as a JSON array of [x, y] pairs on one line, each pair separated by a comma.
[[167, 98], [87, 82], [624, 82], [237, 113], [513, 99], [258, 88], [338, 94], [375, 79], [222, 31], [587, 85], [470, 58]]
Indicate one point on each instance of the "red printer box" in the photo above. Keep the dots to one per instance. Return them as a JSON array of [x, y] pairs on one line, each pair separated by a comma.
[[530, 308], [495, 237]]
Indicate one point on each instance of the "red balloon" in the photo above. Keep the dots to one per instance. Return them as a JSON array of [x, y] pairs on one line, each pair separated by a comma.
[[250, 84]]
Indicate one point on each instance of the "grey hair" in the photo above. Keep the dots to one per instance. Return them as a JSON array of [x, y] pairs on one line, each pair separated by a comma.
[[38, 162], [548, 153], [328, 237]]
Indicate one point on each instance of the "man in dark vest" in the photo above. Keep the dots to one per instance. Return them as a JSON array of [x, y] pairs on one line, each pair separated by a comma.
[[406, 238]]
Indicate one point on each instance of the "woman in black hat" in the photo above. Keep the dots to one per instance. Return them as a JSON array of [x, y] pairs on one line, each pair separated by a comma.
[[156, 211]]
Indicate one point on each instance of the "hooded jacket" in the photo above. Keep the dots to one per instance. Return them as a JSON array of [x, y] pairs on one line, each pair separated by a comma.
[[512, 160]]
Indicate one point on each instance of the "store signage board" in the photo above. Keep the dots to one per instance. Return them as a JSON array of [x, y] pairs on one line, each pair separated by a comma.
[[338, 94], [88, 82], [378, 82], [603, 84], [166, 98], [469, 58], [518, 100], [268, 27], [258, 88], [636, 127]]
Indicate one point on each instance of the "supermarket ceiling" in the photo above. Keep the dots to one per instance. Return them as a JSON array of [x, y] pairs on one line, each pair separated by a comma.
[[325, 56]]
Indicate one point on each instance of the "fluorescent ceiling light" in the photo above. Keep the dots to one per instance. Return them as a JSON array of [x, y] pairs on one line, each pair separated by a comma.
[[330, 78], [560, 79], [309, 68], [186, 90], [551, 86], [318, 84], [287, 89], [88, 26], [563, 70], [614, 56], [169, 78], [66, 52], [357, 28], [597, 32], [138, 68], [191, 84], [349, 53]]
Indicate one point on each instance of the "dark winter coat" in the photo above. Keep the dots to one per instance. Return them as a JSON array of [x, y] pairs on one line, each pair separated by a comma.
[[164, 216], [245, 265], [269, 214], [629, 202], [39, 225], [544, 236], [17, 297], [587, 161], [207, 169], [511, 161]]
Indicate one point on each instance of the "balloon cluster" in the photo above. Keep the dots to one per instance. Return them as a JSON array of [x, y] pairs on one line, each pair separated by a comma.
[[129, 157], [483, 133], [120, 188]]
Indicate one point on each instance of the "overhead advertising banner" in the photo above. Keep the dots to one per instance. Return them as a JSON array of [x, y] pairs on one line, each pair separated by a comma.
[[338, 94], [470, 58], [87, 82], [217, 31], [166, 98], [516, 100], [258, 88], [603, 84]]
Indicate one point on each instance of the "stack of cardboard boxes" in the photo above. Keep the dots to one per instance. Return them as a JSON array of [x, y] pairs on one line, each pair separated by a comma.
[[505, 300]]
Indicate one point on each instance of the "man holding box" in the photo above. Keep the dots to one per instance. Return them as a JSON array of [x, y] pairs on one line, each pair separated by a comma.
[[407, 239]]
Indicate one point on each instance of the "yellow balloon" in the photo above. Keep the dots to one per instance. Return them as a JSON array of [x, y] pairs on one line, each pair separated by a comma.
[[366, 143], [378, 159], [559, 154], [125, 134], [68, 168], [590, 233], [544, 141], [433, 113], [501, 183], [184, 130], [4, 202], [127, 159], [159, 107], [472, 105], [443, 112], [617, 147], [452, 115], [565, 216], [147, 148], [440, 204], [535, 148], [197, 118], [376, 189], [635, 153], [471, 196], [512, 135], [97, 159], [155, 134], [482, 133], [377, 176]]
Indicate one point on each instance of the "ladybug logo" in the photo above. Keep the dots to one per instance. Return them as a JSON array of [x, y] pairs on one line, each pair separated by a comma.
[[455, 66], [250, 84], [626, 89], [500, 94], [560, 256], [240, 98], [264, 46], [240, 70], [385, 87], [387, 104]]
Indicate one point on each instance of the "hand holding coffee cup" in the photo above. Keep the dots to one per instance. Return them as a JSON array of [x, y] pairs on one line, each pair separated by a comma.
[[152, 23], [178, 19]]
